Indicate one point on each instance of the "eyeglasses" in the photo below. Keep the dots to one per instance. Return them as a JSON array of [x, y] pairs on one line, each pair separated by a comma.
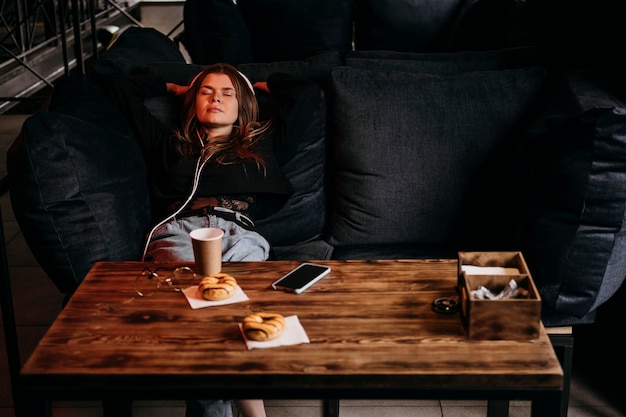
[[162, 279]]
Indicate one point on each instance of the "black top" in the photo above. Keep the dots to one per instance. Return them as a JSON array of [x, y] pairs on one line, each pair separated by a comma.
[[171, 175]]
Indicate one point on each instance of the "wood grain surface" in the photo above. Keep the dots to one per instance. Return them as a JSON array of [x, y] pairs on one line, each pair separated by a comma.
[[370, 325]]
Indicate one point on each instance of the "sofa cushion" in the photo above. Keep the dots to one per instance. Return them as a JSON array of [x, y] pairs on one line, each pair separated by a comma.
[[215, 32], [404, 25], [286, 30], [408, 145], [303, 217], [175, 72], [393, 251], [135, 48], [315, 249], [78, 186], [316, 67], [445, 63], [569, 211]]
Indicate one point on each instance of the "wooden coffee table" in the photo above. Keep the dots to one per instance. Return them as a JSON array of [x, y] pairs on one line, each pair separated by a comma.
[[372, 334]]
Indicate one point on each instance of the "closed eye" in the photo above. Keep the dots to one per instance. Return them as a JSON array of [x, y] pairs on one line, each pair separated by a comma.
[[228, 92]]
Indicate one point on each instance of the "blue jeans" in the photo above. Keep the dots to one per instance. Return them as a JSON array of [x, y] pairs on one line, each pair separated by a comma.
[[171, 243]]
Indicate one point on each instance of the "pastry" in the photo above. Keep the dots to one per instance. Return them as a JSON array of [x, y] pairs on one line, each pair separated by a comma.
[[263, 326], [217, 287]]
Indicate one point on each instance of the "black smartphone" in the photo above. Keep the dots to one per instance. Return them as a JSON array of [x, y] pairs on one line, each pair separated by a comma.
[[301, 278]]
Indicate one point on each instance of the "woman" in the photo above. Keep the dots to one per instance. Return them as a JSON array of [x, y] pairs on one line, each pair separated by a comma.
[[216, 169], [219, 156]]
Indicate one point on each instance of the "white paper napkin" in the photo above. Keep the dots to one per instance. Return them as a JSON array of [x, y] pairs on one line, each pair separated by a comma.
[[196, 301], [488, 270], [293, 334]]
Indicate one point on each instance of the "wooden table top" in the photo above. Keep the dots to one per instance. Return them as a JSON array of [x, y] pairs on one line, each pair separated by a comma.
[[370, 325]]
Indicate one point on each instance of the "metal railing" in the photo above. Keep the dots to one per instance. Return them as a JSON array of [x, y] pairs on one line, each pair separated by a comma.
[[42, 40]]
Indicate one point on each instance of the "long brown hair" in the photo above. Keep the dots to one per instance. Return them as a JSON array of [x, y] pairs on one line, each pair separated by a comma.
[[247, 130]]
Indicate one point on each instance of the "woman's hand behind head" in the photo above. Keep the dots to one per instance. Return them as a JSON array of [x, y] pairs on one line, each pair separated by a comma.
[[262, 85], [176, 89]]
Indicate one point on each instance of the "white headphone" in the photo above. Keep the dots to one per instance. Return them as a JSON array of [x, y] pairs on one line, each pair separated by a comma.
[[196, 181], [247, 82]]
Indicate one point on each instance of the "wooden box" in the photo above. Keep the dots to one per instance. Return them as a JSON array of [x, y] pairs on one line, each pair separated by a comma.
[[492, 319]]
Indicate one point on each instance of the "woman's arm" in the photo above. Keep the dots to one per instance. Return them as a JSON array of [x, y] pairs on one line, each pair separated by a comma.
[[177, 90], [128, 92]]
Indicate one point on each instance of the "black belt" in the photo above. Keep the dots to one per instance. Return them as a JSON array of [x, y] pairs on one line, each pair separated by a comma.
[[223, 213]]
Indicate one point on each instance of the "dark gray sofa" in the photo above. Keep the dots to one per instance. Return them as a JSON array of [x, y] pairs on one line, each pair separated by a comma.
[[439, 131]]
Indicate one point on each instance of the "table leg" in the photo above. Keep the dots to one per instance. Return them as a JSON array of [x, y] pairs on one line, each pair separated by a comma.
[[550, 406], [564, 348], [498, 408], [331, 408], [117, 408]]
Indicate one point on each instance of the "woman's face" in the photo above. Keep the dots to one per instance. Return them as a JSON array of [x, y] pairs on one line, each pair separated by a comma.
[[217, 106]]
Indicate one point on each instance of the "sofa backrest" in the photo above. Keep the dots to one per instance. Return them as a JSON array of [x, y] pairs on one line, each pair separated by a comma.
[[248, 31]]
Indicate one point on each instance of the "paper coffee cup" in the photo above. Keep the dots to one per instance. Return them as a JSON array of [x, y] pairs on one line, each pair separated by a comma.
[[207, 249]]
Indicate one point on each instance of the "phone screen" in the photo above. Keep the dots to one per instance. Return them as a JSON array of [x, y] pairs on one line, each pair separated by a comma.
[[301, 278]]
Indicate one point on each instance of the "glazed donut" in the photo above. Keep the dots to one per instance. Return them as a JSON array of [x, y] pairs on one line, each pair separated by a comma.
[[263, 326], [216, 287]]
